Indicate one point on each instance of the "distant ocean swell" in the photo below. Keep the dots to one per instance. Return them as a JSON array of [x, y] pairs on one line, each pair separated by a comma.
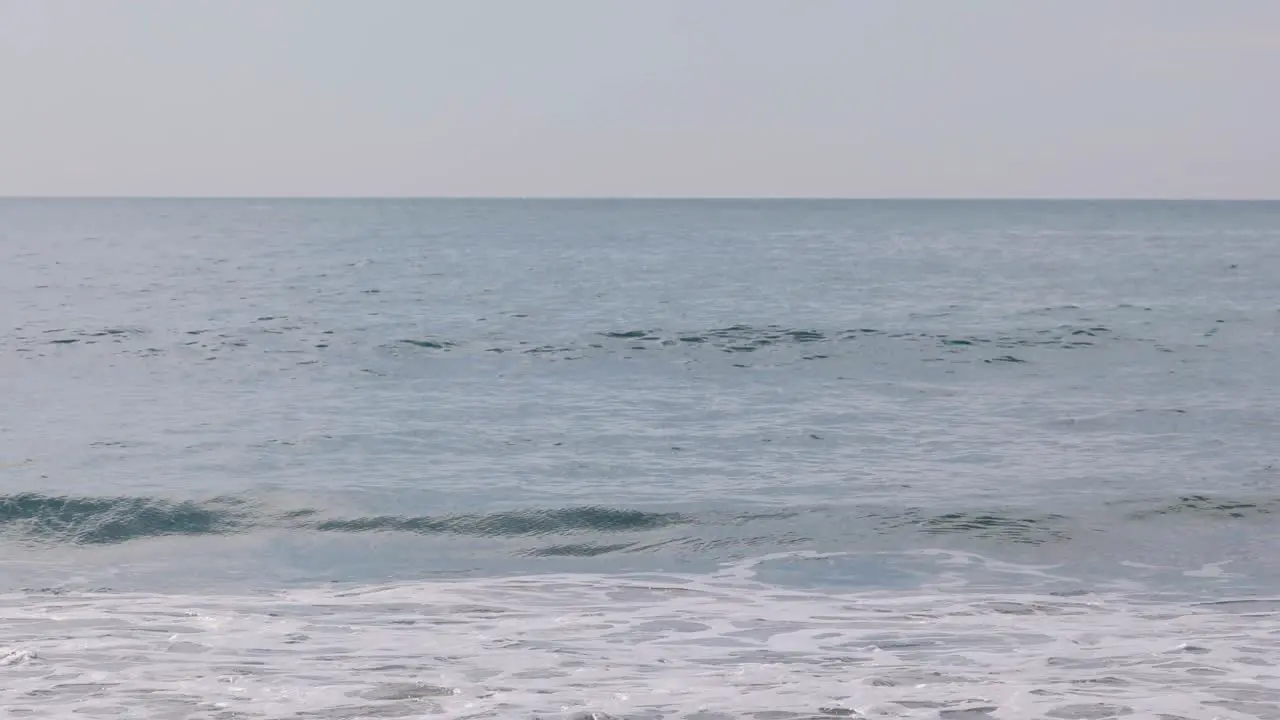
[[283, 334]]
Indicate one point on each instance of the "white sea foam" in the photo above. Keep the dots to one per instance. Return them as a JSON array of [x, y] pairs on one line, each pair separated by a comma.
[[713, 646]]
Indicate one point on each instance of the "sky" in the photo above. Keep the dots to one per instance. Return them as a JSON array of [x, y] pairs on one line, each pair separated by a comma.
[[648, 98]]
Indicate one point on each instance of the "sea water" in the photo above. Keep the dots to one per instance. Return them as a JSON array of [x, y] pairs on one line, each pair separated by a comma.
[[639, 459]]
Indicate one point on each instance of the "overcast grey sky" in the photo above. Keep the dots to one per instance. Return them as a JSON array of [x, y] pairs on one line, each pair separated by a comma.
[[887, 98]]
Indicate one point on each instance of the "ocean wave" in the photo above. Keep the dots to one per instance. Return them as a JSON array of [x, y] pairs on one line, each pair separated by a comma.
[[278, 335], [513, 523], [37, 519], [1000, 525], [110, 520], [1206, 506], [745, 338]]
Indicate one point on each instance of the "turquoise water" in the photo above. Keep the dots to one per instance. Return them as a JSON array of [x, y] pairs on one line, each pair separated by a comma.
[[946, 432]]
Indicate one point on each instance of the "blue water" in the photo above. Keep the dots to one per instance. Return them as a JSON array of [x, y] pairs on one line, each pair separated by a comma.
[[220, 399]]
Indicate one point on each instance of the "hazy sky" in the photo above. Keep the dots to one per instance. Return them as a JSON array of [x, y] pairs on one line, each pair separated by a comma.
[[880, 98]]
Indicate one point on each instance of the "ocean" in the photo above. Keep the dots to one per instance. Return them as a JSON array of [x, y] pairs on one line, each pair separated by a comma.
[[702, 459]]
